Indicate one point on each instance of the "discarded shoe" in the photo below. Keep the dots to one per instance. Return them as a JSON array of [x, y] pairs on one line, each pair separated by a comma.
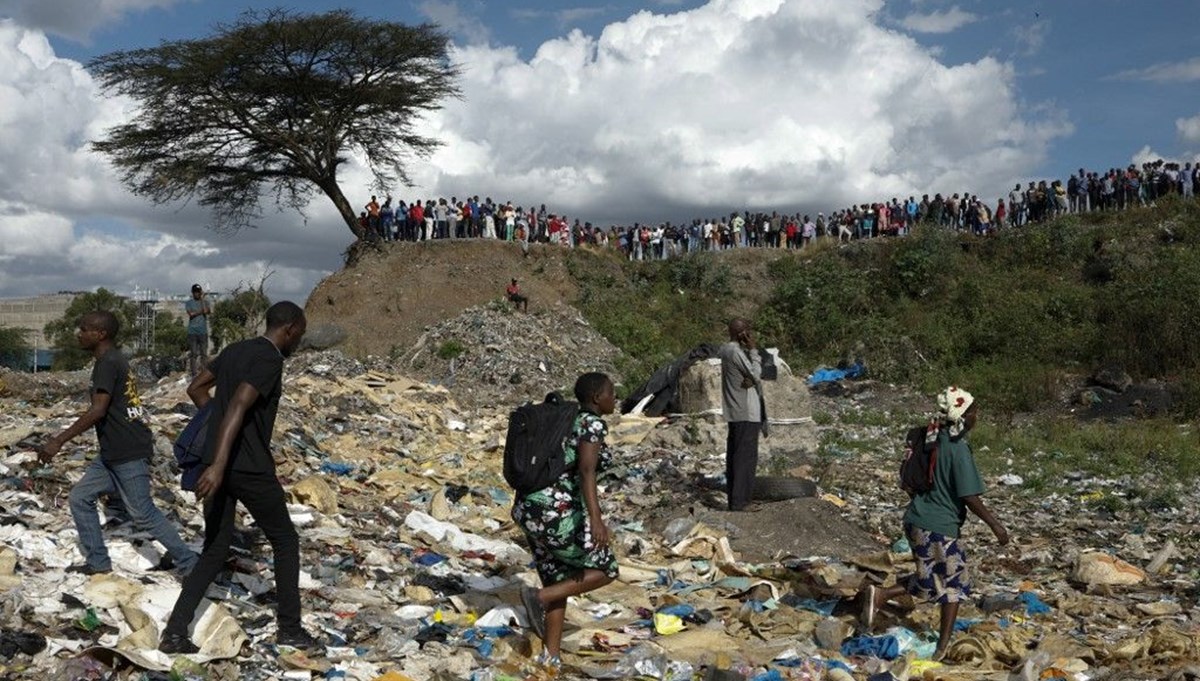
[[176, 644]]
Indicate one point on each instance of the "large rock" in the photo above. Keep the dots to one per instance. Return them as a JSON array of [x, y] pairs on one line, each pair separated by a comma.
[[789, 409], [324, 336], [1113, 377]]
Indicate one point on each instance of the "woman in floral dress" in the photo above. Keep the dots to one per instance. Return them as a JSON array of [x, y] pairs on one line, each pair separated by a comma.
[[562, 522]]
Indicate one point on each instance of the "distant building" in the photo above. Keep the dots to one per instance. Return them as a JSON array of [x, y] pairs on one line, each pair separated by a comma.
[[32, 313]]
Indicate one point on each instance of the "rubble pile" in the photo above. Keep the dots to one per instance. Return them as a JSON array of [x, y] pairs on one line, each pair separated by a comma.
[[412, 567], [492, 354]]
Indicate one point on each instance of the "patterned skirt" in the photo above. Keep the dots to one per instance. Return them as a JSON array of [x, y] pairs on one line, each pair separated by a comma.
[[942, 575], [560, 538]]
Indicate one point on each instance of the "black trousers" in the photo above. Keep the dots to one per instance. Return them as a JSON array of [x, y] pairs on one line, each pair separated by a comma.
[[741, 460], [264, 498]]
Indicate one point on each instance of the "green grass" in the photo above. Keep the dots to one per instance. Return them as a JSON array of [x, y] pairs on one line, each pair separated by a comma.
[[1045, 450]]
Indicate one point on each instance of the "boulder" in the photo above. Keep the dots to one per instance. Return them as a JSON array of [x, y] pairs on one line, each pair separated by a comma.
[[323, 337], [1111, 376]]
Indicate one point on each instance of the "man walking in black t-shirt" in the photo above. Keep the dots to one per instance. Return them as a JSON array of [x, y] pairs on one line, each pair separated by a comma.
[[248, 378], [123, 466]]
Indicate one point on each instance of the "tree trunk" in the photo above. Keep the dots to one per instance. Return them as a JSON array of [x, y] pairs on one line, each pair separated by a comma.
[[334, 192]]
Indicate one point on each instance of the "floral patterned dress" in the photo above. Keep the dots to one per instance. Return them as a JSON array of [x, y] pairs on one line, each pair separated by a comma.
[[555, 519]]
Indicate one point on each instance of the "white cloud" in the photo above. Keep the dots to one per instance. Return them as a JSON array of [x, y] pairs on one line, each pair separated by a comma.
[[1165, 72], [462, 23], [1189, 129], [1031, 38], [1148, 155], [53, 186], [946, 21], [739, 103], [69, 18]]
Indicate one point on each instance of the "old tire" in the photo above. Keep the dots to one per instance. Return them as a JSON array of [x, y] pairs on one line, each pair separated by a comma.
[[780, 488]]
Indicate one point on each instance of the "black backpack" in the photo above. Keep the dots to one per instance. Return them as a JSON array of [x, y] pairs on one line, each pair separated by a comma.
[[534, 455], [920, 460]]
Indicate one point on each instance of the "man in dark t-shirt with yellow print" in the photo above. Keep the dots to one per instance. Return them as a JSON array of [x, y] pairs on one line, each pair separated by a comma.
[[123, 466]]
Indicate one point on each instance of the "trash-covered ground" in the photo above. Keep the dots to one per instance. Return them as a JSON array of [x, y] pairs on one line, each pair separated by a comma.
[[493, 354], [412, 567]]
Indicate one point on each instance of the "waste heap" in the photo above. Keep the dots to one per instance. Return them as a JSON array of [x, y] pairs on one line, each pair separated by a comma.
[[412, 567], [495, 355]]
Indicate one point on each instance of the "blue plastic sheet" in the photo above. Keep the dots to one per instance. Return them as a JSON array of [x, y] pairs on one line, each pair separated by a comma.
[[823, 607], [679, 610], [826, 375], [429, 558], [1033, 604], [883, 647]]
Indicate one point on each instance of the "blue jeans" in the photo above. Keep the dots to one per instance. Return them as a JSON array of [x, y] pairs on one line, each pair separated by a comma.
[[131, 481]]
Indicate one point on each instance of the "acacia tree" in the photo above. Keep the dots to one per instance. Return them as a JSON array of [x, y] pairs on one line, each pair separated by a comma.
[[275, 102]]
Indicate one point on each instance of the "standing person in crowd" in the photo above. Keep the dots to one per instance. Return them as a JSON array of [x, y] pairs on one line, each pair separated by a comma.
[[197, 310], [563, 524], [372, 210], [126, 445], [248, 381], [934, 519], [743, 408]]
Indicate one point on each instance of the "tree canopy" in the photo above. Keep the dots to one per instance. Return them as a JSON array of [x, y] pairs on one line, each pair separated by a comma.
[[14, 347], [275, 101], [68, 356], [238, 316], [170, 334]]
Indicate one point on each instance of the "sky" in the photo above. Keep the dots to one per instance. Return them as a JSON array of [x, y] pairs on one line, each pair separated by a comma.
[[613, 112]]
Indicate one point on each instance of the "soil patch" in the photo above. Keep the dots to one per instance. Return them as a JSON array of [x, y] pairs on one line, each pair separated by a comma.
[[391, 297]]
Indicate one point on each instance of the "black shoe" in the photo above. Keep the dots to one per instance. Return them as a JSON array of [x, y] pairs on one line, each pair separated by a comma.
[[165, 564], [534, 610], [300, 640], [86, 570], [176, 644]]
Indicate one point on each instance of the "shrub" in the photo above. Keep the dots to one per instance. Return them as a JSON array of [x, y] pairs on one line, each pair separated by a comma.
[[450, 349]]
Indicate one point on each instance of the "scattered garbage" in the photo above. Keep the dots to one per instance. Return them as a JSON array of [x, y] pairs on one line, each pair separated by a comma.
[[412, 567]]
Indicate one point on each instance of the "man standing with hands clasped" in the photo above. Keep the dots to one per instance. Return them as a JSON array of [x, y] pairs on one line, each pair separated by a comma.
[[742, 404], [248, 377], [197, 330]]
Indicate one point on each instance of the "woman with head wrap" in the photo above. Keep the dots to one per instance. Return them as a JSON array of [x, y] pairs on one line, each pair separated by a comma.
[[934, 519]]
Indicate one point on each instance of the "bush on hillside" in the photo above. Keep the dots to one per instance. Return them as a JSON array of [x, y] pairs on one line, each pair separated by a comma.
[[1007, 314]]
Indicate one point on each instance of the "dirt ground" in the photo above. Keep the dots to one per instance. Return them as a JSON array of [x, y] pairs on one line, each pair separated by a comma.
[[390, 298]]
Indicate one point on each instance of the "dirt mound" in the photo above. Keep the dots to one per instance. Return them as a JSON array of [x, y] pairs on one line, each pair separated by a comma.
[[493, 354], [391, 297]]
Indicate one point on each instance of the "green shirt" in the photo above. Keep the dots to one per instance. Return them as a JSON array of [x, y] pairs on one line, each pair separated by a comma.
[[955, 476]]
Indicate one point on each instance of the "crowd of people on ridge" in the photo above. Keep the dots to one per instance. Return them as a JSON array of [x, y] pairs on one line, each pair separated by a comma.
[[1084, 191]]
